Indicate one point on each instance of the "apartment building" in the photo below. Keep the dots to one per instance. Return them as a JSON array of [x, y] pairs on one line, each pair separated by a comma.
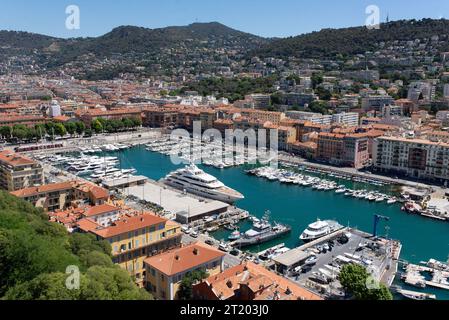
[[350, 119], [376, 102], [446, 91], [133, 237], [286, 135], [223, 124], [164, 272], [19, 172], [416, 158], [343, 149], [265, 116], [59, 196], [297, 99], [11, 120], [247, 282], [88, 116], [160, 118], [259, 101], [316, 118], [307, 150]]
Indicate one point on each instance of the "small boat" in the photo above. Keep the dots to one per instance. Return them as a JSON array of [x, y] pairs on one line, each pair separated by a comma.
[[311, 261], [392, 201], [235, 236], [230, 227], [413, 295], [224, 247]]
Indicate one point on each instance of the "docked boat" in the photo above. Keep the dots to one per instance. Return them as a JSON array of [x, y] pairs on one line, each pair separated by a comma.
[[235, 235], [224, 247], [311, 261], [320, 229], [193, 180], [261, 232], [413, 295], [392, 201]]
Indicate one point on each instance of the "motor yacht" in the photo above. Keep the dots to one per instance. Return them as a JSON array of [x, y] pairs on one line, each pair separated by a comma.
[[193, 180], [320, 229]]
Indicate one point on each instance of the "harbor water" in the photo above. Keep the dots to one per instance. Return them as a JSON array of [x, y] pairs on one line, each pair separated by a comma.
[[297, 206]]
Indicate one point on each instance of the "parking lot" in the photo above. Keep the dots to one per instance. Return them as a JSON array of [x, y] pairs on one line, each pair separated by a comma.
[[322, 275]]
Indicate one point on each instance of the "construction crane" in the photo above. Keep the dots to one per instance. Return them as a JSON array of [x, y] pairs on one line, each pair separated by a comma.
[[377, 219]]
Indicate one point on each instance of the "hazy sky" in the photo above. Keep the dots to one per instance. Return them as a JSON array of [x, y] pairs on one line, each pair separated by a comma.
[[271, 18]]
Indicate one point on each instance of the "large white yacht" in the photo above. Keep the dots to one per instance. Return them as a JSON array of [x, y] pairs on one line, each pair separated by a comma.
[[194, 180], [320, 229]]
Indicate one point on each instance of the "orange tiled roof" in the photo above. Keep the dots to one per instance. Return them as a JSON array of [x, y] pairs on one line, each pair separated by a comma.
[[260, 280], [14, 159], [183, 259], [128, 224], [101, 209], [28, 192]]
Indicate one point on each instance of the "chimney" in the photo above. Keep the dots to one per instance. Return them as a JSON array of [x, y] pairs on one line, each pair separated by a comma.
[[195, 251], [177, 258]]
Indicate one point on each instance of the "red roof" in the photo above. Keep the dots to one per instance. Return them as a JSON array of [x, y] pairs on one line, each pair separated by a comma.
[[128, 224], [101, 209], [183, 259]]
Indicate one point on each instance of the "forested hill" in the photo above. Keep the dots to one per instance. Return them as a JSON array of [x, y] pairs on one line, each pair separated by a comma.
[[349, 41], [35, 254], [130, 39]]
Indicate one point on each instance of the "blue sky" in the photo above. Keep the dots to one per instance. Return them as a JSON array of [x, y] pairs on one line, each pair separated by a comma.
[[271, 18]]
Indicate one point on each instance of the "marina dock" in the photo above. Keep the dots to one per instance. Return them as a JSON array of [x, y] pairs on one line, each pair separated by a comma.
[[413, 276]]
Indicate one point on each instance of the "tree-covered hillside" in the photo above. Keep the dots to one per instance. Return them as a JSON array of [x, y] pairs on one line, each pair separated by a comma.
[[35, 254], [349, 41]]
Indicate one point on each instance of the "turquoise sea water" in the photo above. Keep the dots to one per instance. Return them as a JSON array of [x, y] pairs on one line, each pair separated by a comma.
[[422, 238]]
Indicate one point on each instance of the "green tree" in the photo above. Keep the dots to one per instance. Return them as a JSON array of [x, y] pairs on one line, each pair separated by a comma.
[[88, 132], [319, 107], [324, 94], [20, 132], [137, 122], [40, 130], [80, 127], [47, 286], [185, 289], [5, 132], [97, 126], [127, 123], [354, 279], [317, 79], [70, 127], [60, 130], [34, 255]]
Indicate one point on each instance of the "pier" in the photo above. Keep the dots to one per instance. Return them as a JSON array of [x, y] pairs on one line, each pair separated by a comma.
[[413, 276], [351, 172]]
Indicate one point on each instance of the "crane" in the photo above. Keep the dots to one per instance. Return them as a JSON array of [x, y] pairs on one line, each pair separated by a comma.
[[377, 219]]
